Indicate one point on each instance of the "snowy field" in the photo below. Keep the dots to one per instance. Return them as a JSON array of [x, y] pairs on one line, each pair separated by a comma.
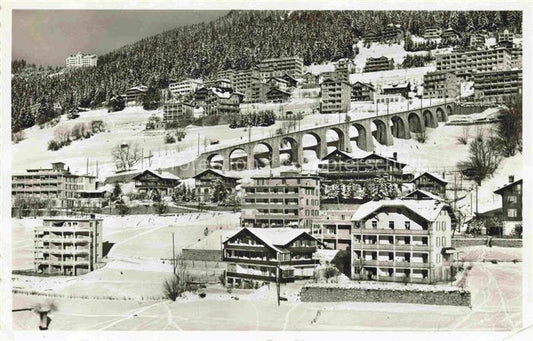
[[496, 306]]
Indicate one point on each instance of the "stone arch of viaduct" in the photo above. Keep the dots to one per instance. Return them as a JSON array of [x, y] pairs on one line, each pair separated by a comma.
[[386, 127]]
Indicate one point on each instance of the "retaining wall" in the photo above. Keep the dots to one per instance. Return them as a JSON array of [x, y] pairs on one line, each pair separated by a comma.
[[503, 242], [328, 293]]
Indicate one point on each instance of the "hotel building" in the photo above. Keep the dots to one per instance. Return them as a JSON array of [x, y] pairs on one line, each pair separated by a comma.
[[81, 60], [68, 245], [273, 67], [336, 95], [402, 241], [290, 199]]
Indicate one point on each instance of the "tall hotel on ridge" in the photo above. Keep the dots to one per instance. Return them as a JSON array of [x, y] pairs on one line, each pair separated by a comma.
[[276, 67], [81, 60], [499, 59]]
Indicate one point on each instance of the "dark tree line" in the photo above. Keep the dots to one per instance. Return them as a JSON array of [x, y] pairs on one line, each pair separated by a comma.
[[238, 40], [255, 119]]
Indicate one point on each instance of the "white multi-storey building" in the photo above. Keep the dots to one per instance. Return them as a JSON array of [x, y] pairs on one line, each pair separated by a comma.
[[81, 60], [68, 245], [185, 87]]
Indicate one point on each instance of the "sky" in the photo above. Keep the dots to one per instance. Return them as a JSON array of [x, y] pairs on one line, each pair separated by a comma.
[[47, 37]]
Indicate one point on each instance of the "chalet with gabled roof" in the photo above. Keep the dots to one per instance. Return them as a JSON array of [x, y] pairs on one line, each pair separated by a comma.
[[511, 205], [257, 255], [203, 183], [431, 183], [156, 182]]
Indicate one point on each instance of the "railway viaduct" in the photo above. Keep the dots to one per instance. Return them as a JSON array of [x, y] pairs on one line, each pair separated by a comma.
[[383, 128]]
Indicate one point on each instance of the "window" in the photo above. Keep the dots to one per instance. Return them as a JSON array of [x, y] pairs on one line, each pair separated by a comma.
[[374, 224], [443, 226], [512, 212], [407, 225], [438, 242], [391, 225], [511, 199], [443, 241]]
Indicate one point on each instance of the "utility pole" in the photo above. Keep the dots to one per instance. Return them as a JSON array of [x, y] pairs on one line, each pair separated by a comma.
[[173, 255], [477, 193], [198, 144]]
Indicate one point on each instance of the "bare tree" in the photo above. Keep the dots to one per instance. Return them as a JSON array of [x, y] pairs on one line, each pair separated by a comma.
[[125, 156], [62, 134], [483, 158], [463, 139]]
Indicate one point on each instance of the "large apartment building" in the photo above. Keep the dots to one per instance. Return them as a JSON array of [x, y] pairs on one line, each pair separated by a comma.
[[441, 84], [243, 81], [185, 87], [344, 68], [336, 95], [56, 186], [498, 59], [333, 226], [402, 241], [273, 67], [290, 199], [498, 86], [432, 32], [81, 60], [68, 245], [257, 256], [178, 113], [378, 64]]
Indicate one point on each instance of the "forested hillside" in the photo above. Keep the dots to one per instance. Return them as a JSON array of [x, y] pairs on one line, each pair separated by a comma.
[[238, 40]]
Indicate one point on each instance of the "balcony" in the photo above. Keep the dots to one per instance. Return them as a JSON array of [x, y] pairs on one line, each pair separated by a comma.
[[245, 247], [397, 264], [59, 239], [61, 251], [402, 232], [258, 277], [61, 262]]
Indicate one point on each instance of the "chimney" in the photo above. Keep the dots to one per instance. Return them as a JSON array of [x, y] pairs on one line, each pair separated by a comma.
[[395, 155], [159, 171], [511, 178]]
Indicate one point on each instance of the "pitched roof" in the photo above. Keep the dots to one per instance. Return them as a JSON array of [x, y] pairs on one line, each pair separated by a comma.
[[338, 151], [162, 175], [500, 190], [427, 209], [431, 175], [425, 194], [368, 85], [276, 238], [213, 171], [373, 155]]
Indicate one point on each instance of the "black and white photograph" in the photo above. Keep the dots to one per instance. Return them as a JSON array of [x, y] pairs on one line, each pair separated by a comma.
[[282, 168]]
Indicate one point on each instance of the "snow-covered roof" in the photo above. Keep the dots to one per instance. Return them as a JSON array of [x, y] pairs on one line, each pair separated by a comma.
[[221, 94], [427, 209], [216, 172], [276, 237], [436, 177], [397, 85], [427, 194], [500, 190], [162, 175]]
